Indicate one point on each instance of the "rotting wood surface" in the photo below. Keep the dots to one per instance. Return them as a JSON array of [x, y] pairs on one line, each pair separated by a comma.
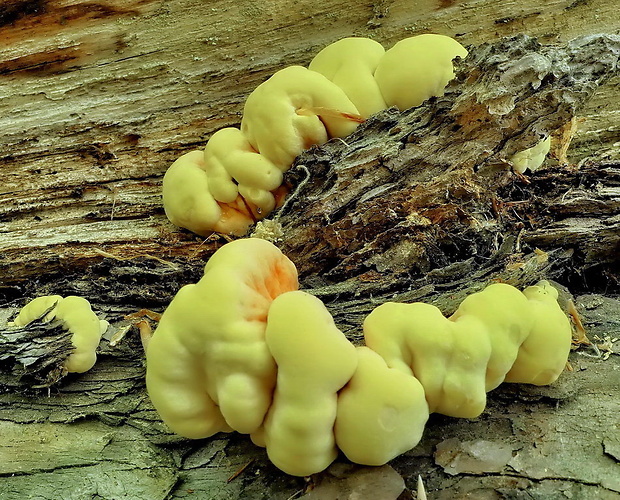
[[408, 192]]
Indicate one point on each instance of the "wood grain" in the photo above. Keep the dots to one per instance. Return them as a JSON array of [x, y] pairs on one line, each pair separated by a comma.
[[98, 98]]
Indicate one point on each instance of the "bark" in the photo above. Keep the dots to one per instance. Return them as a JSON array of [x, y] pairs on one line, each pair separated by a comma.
[[413, 206], [430, 194]]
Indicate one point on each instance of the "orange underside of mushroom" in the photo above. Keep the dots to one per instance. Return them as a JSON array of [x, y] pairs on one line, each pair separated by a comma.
[[239, 215]]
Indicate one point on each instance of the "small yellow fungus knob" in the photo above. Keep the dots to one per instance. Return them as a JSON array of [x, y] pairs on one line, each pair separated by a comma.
[[37, 309], [417, 68], [531, 158], [543, 354], [350, 63]]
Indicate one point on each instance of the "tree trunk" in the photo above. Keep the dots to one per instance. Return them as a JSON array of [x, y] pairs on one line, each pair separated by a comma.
[[419, 205]]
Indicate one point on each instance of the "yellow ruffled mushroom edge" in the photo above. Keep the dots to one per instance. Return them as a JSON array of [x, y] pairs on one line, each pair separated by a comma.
[[244, 350], [237, 179]]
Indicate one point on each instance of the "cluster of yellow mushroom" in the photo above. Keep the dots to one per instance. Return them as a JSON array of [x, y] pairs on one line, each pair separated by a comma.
[[243, 349], [237, 179], [76, 316]]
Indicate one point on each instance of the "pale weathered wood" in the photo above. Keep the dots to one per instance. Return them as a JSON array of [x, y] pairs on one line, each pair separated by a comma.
[[96, 100]]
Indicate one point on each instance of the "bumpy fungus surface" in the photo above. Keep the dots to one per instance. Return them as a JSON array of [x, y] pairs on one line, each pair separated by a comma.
[[350, 63], [76, 316], [459, 359], [315, 361], [188, 201], [237, 181], [291, 112], [243, 350], [208, 366], [234, 168], [381, 412]]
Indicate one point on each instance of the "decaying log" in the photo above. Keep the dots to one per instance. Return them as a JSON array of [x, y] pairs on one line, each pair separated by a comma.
[[413, 206], [97, 434], [412, 191]]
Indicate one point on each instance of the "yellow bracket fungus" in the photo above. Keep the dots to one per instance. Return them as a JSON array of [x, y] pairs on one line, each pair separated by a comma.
[[208, 366], [350, 63], [76, 316], [238, 180], [283, 116], [315, 361], [417, 68], [189, 201], [493, 333], [381, 412], [243, 350]]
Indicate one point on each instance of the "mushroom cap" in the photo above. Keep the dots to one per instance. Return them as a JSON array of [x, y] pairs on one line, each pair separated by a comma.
[[350, 63], [189, 203], [275, 118], [543, 355], [531, 158], [417, 68], [233, 167], [208, 365], [381, 412], [448, 358], [315, 360]]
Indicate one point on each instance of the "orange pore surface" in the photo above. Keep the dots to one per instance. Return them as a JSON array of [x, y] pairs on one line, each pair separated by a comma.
[[279, 276]]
